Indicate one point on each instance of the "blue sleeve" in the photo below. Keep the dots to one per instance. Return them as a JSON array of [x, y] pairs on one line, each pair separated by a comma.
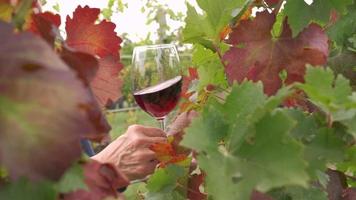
[[87, 148]]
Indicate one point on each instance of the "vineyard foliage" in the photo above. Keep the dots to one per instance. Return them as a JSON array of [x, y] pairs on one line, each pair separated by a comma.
[[268, 108]]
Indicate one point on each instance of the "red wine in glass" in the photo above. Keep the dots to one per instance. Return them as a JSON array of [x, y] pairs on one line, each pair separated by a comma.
[[156, 79], [160, 99]]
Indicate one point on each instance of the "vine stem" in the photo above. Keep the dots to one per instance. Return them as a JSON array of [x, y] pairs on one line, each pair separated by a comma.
[[329, 119], [218, 51], [278, 7], [351, 177]]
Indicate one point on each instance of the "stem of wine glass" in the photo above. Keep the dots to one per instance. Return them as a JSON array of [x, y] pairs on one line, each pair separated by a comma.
[[162, 123]]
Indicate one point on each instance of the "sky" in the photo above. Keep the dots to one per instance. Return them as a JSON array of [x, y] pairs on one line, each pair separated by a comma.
[[131, 21]]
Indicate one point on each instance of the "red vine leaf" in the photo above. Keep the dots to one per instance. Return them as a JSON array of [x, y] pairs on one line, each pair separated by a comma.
[[349, 194], [257, 56], [187, 81], [84, 34], [85, 65], [298, 99], [98, 39], [106, 85], [227, 29], [171, 152], [260, 196], [336, 185], [45, 109], [195, 181], [271, 2], [167, 154], [45, 25], [102, 180]]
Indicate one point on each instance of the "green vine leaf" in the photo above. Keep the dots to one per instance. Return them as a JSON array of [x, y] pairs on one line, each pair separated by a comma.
[[333, 95], [322, 146], [273, 158], [244, 142], [344, 28], [205, 28], [162, 184], [299, 193], [24, 189], [319, 11], [72, 180]]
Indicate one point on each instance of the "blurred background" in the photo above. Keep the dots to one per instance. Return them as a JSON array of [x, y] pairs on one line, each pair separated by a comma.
[[138, 22]]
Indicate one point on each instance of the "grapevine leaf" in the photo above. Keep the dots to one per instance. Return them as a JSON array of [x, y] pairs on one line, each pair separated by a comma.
[[45, 25], [333, 96], [195, 181], [6, 10], [319, 11], [106, 84], [299, 193], [278, 25], [136, 191], [98, 39], [307, 126], [325, 148], [72, 180], [210, 125], [344, 28], [337, 183], [322, 145], [219, 13], [35, 85], [24, 189], [271, 2], [174, 195], [196, 28], [257, 56], [344, 63], [22, 11], [349, 194], [84, 34], [239, 108], [177, 128], [211, 74], [102, 181], [209, 67], [187, 81], [256, 164], [262, 159], [219, 176], [84, 64], [167, 154], [319, 86], [202, 55], [204, 29], [164, 178], [162, 183], [349, 163], [260, 196]]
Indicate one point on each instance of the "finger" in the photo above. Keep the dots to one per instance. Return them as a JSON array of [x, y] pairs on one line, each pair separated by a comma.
[[147, 141], [149, 168], [146, 155], [153, 132]]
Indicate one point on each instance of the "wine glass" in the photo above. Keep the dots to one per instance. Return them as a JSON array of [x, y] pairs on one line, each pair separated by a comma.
[[156, 79]]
